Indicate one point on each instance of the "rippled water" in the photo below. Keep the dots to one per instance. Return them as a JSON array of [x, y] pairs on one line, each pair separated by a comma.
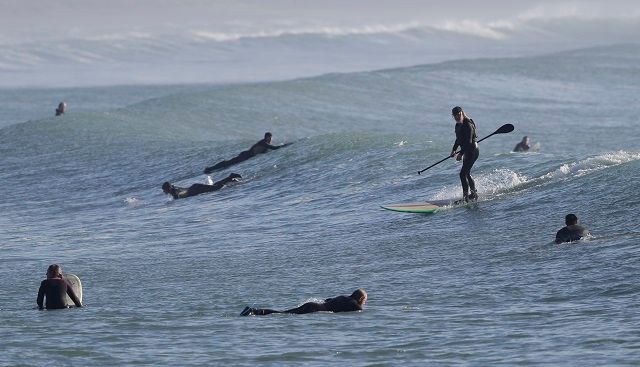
[[164, 280]]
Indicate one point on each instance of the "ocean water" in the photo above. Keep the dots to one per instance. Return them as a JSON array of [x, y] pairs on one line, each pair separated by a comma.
[[165, 280]]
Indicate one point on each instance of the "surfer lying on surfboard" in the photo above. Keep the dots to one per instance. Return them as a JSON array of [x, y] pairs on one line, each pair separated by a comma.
[[55, 290], [354, 302], [260, 147], [197, 189]]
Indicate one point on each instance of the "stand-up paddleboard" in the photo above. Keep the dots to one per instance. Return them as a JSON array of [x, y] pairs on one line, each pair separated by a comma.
[[424, 207], [75, 283]]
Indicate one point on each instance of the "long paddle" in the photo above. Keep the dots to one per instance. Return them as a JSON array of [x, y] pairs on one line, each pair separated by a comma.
[[506, 128]]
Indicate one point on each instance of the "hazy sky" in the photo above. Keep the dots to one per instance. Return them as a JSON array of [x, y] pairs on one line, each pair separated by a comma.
[[24, 20]]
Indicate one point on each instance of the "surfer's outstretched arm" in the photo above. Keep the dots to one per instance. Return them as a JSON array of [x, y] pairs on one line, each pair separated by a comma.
[[73, 295], [274, 147], [40, 299]]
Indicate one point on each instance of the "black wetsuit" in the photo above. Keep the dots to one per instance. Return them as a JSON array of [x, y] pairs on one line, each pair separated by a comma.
[[571, 233], [55, 291], [60, 110], [197, 189], [521, 147], [466, 139], [258, 148], [337, 304]]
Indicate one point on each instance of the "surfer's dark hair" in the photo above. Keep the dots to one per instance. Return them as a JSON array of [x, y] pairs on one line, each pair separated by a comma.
[[456, 110], [166, 186], [570, 219], [267, 135], [55, 270], [359, 295]]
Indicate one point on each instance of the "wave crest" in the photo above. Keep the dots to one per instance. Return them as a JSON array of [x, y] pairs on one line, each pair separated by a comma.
[[501, 181]]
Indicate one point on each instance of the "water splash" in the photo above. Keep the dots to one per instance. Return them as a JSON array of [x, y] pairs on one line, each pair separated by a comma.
[[502, 181], [593, 164], [491, 184]]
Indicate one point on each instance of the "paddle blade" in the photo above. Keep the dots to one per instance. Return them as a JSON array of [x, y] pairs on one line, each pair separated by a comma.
[[506, 128]]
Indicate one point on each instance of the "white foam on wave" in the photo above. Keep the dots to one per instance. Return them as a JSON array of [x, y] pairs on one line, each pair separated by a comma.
[[489, 184], [494, 31], [593, 164], [503, 180], [133, 202], [499, 180], [329, 31], [565, 171]]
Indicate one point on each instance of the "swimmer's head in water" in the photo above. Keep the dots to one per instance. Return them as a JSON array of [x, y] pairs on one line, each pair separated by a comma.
[[54, 271], [267, 137], [360, 296], [571, 219], [166, 187]]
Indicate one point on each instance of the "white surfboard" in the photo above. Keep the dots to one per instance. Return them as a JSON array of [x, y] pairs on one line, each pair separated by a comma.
[[76, 285]]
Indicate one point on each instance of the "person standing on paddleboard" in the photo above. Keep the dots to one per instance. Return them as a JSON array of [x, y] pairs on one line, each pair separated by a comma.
[[466, 139]]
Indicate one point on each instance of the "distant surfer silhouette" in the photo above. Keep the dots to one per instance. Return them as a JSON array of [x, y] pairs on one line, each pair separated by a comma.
[[62, 108], [197, 189], [466, 139], [354, 302], [572, 232], [55, 289], [260, 147], [523, 146]]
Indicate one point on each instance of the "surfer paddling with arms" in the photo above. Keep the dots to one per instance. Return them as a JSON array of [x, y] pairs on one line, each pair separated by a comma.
[[466, 139], [260, 147], [354, 302], [197, 189], [572, 231], [55, 289]]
